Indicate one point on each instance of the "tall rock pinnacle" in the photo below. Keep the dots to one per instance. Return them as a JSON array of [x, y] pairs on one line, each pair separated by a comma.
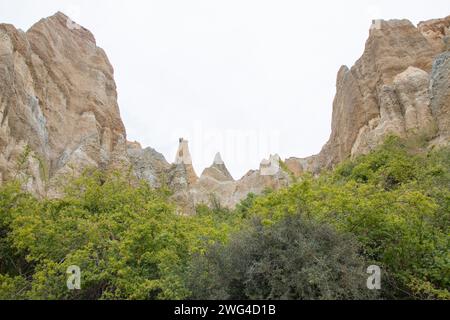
[[183, 155], [218, 159], [184, 159]]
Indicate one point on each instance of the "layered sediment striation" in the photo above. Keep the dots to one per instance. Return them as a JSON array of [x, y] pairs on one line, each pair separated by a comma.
[[58, 105], [399, 86]]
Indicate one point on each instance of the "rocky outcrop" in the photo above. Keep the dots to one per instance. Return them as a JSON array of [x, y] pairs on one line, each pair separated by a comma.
[[440, 94], [399, 86], [218, 171], [216, 184], [300, 166], [404, 110], [59, 112], [148, 164], [436, 32], [183, 161], [58, 105], [257, 181], [182, 178]]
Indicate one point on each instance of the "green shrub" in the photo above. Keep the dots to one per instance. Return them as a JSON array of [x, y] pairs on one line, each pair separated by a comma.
[[396, 201], [294, 258], [130, 244]]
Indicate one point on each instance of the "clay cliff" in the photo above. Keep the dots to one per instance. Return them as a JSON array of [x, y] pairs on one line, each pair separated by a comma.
[[58, 104], [59, 112], [399, 86]]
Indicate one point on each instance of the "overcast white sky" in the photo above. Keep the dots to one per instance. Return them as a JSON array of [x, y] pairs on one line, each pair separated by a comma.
[[243, 77]]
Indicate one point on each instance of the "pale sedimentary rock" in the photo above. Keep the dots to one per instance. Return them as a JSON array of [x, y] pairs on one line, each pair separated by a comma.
[[59, 112], [148, 164], [184, 159], [399, 86], [404, 110], [271, 166], [218, 170], [58, 101], [440, 95], [435, 31], [216, 184]]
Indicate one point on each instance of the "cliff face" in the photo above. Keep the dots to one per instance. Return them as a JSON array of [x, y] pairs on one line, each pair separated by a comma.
[[58, 104], [399, 86], [59, 112]]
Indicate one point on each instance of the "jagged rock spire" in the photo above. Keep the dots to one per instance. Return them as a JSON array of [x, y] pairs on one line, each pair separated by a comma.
[[218, 159], [183, 159], [183, 155], [218, 170]]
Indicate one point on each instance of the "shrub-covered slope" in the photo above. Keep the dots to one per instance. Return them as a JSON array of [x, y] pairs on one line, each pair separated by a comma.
[[312, 240]]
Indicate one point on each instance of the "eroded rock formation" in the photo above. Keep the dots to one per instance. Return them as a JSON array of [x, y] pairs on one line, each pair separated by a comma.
[[59, 111], [58, 104], [217, 185], [399, 86], [148, 164]]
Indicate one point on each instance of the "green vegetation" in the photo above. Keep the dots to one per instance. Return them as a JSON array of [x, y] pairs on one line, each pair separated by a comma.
[[127, 240], [294, 258], [313, 240]]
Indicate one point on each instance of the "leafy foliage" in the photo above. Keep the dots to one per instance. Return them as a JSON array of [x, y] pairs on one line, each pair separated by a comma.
[[294, 258], [308, 241], [127, 240], [396, 202]]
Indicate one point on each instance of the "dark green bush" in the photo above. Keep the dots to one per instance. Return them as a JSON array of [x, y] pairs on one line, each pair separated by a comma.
[[294, 258]]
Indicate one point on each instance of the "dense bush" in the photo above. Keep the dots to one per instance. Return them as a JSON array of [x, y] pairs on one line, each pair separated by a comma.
[[130, 243], [295, 258], [127, 240], [396, 202]]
